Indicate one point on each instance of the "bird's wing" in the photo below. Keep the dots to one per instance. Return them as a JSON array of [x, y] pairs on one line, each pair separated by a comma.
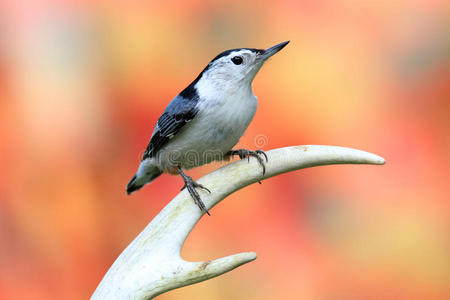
[[179, 111]]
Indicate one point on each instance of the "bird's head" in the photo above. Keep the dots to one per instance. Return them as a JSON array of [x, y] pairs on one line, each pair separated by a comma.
[[234, 69]]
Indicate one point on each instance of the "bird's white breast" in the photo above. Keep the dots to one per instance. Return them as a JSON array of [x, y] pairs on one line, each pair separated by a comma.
[[227, 118]]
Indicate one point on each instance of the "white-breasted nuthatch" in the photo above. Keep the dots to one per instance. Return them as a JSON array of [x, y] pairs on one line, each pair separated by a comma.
[[206, 120]]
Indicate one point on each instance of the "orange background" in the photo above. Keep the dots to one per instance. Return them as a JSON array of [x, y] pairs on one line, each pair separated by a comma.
[[83, 82]]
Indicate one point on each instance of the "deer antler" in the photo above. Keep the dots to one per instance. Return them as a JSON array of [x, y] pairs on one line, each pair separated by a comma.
[[151, 264]]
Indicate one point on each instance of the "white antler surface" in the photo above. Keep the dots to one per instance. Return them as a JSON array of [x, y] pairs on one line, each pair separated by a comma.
[[152, 265]]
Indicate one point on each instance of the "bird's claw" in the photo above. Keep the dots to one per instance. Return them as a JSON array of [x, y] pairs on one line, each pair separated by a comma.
[[259, 151], [244, 153], [197, 185], [191, 186]]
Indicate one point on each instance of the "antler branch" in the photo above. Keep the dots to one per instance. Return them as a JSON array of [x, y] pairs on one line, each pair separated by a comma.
[[152, 265]]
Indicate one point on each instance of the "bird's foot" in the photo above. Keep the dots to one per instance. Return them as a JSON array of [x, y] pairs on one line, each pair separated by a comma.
[[244, 153], [191, 186]]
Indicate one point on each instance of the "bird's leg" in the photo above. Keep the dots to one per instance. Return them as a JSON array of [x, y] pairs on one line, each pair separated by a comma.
[[190, 184], [244, 153]]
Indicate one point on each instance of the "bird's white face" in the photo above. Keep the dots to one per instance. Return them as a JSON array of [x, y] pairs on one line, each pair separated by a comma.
[[238, 67], [234, 70]]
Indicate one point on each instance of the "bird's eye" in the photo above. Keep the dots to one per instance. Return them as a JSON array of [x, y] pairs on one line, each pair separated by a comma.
[[237, 60]]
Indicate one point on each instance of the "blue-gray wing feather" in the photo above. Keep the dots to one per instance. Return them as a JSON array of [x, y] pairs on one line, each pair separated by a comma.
[[179, 111]]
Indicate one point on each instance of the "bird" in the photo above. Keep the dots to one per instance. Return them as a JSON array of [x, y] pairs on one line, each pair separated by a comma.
[[205, 121]]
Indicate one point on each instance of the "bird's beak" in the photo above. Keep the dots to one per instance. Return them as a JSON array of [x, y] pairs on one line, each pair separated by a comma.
[[265, 54]]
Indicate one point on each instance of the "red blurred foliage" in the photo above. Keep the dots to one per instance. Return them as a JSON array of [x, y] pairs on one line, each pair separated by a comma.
[[82, 84]]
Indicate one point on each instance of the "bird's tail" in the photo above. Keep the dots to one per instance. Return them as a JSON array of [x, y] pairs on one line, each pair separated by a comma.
[[146, 174]]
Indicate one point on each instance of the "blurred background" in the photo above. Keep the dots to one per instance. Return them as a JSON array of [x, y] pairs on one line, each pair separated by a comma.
[[82, 84]]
